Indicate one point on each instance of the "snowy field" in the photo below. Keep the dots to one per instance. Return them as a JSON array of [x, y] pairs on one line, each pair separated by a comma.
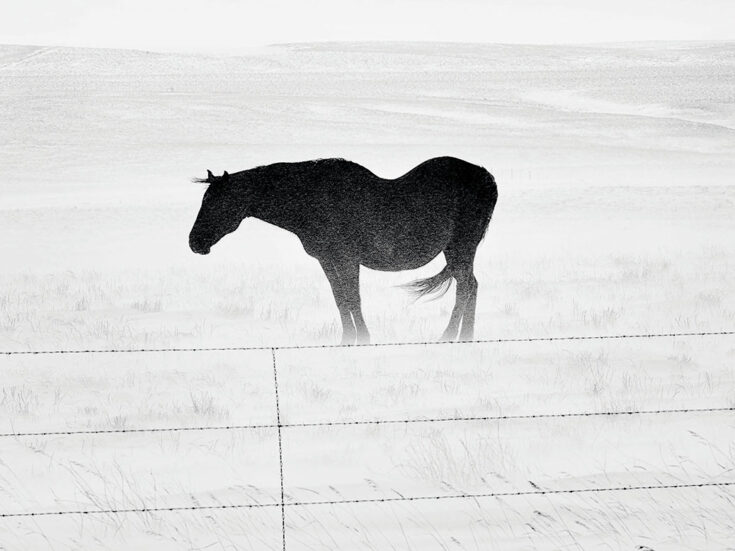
[[615, 166]]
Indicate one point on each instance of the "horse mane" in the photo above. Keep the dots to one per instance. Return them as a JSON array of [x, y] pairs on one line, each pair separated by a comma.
[[319, 160], [212, 179]]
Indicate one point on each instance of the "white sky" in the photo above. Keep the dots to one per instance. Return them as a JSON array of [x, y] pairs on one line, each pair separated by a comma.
[[231, 25]]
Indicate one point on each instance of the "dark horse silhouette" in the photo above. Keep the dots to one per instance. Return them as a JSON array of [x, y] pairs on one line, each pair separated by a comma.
[[346, 216]]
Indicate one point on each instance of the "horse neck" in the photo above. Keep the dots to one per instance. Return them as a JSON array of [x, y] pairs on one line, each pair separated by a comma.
[[273, 200]]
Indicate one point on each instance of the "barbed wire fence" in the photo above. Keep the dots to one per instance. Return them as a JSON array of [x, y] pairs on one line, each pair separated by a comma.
[[280, 427]]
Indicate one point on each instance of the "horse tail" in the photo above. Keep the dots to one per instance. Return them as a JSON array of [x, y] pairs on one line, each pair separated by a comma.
[[436, 284], [492, 189]]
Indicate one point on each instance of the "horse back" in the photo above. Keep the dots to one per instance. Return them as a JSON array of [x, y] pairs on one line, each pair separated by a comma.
[[403, 222]]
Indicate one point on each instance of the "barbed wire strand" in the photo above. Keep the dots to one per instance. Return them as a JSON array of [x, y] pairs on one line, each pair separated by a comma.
[[372, 422], [369, 345], [538, 492]]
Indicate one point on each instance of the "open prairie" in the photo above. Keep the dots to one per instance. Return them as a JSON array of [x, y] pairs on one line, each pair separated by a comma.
[[615, 167]]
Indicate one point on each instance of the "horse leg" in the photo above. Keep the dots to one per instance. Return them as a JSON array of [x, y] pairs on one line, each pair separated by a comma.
[[461, 265], [468, 316], [350, 272], [450, 333], [335, 282]]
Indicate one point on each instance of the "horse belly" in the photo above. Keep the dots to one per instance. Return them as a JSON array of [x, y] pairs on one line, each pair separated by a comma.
[[404, 251]]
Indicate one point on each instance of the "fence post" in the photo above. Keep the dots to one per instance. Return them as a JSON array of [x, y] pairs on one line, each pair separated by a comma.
[[280, 446]]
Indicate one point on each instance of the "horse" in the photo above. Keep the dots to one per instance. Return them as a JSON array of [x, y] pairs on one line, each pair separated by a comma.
[[347, 217]]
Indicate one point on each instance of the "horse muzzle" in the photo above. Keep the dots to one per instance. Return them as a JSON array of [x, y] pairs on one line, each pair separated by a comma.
[[198, 248]]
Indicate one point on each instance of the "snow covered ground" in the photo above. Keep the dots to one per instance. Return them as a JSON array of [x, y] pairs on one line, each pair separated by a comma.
[[615, 167]]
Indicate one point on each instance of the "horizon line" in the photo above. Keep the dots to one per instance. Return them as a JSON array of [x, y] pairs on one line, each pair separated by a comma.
[[234, 52]]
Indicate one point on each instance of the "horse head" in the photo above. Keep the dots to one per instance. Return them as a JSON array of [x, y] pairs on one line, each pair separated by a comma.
[[221, 212]]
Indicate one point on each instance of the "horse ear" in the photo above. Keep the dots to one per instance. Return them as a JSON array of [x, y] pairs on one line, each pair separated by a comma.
[[210, 176], [225, 176]]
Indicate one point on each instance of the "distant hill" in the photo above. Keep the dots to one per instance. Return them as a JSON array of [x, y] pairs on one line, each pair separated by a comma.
[[76, 115]]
